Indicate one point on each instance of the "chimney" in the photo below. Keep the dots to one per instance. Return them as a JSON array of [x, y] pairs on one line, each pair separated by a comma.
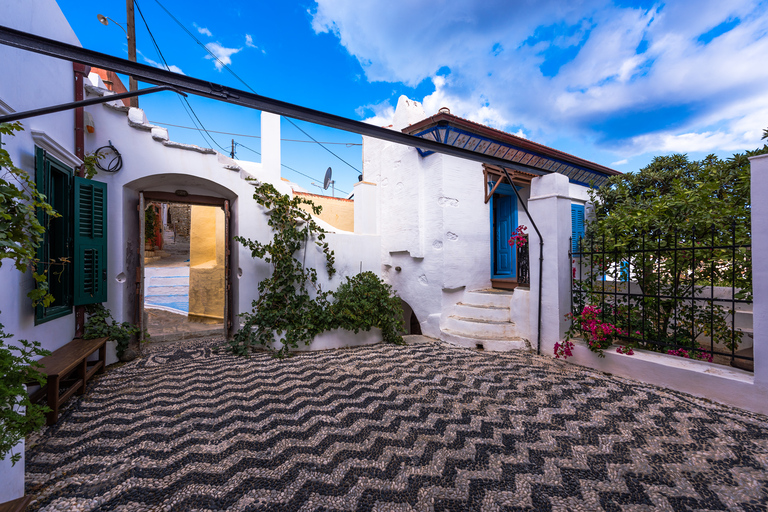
[[270, 146]]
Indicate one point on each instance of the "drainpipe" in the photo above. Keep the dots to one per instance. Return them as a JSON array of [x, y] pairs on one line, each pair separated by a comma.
[[81, 71], [541, 258]]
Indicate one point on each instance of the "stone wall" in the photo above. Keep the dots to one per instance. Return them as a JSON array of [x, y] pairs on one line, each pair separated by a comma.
[[180, 218]]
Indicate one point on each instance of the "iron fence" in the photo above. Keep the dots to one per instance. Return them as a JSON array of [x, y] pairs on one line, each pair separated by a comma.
[[684, 292], [523, 264]]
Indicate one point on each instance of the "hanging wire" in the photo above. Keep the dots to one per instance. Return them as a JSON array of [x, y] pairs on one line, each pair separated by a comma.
[[348, 144], [115, 164], [289, 168], [246, 84], [182, 99]]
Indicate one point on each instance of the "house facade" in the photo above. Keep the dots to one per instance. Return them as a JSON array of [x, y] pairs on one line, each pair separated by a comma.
[[445, 225]]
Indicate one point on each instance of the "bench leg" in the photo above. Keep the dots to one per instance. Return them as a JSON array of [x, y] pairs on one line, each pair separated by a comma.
[[53, 399], [82, 373], [103, 358]]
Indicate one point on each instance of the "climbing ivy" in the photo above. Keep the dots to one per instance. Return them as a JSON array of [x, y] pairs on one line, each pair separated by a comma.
[[291, 302], [20, 235], [20, 230]]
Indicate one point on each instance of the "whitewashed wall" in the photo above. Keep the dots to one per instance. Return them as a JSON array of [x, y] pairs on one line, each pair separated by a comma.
[[433, 223], [27, 82], [150, 163], [33, 81]]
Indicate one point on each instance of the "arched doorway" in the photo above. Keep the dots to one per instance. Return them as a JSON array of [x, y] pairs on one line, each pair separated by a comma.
[[410, 322], [184, 278]]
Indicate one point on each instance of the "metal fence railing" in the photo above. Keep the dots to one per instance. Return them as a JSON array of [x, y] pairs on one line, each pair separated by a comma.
[[684, 292], [523, 264]]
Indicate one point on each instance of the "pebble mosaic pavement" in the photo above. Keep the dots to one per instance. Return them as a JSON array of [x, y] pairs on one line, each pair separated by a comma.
[[422, 427]]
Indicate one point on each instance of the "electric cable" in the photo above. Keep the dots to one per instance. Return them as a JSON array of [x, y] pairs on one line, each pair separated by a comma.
[[182, 99], [115, 164], [289, 168], [348, 144], [246, 84]]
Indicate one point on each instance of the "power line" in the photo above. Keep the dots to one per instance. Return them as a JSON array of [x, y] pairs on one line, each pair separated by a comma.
[[289, 168], [182, 99], [348, 144], [246, 85]]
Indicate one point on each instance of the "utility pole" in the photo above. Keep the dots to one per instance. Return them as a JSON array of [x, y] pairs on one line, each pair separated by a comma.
[[232, 154], [131, 33]]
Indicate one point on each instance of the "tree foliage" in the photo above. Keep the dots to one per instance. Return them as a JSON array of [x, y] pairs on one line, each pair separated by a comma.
[[291, 302], [646, 229]]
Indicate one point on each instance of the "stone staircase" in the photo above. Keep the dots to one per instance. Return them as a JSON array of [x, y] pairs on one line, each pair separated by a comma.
[[482, 320]]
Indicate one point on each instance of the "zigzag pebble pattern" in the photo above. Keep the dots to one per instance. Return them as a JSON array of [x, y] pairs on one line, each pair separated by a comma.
[[422, 427]]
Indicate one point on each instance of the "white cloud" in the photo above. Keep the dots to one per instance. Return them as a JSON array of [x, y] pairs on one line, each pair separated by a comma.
[[678, 94], [620, 162], [203, 30], [249, 41], [383, 114], [223, 54], [173, 68]]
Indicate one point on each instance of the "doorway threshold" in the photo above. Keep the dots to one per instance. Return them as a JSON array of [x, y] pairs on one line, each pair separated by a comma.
[[504, 284]]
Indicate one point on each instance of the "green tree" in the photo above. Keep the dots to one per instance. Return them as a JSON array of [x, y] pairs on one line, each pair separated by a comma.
[[645, 230]]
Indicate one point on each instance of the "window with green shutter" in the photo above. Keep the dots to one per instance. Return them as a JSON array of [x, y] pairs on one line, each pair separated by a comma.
[[54, 180], [90, 241], [577, 227], [74, 250]]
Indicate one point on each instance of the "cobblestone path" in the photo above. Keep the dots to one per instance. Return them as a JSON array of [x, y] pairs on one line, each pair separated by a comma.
[[422, 427]]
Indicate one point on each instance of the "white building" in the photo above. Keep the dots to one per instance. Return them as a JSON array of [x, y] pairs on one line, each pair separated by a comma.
[[99, 232], [445, 224]]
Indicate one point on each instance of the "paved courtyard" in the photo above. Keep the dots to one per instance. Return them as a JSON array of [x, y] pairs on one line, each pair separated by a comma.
[[422, 427]]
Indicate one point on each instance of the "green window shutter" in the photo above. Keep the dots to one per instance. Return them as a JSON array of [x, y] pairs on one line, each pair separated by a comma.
[[577, 227], [90, 241]]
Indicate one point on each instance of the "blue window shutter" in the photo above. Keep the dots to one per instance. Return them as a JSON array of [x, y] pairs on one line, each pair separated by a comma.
[[577, 226]]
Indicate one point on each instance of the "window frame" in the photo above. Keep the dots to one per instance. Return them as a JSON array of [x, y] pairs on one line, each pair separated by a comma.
[[45, 165]]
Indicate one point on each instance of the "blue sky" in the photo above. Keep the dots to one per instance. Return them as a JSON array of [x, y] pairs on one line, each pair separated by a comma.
[[615, 82]]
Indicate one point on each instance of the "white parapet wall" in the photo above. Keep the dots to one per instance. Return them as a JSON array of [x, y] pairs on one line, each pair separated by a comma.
[[335, 339], [723, 384]]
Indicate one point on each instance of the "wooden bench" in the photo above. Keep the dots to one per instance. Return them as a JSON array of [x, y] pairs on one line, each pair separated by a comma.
[[68, 367], [17, 505]]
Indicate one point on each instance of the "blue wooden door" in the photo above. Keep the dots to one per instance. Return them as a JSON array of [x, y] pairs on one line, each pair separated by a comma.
[[503, 219]]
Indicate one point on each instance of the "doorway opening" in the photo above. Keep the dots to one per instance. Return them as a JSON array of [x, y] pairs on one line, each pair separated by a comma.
[[185, 267], [503, 209], [411, 324]]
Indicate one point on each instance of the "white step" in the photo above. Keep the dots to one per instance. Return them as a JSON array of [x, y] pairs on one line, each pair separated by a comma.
[[481, 328], [489, 344], [499, 298], [482, 312]]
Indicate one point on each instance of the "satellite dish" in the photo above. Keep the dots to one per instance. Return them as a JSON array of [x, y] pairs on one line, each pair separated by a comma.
[[327, 180]]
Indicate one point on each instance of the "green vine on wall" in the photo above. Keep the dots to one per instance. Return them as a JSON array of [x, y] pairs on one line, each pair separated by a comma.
[[291, 302], [20, 230]]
